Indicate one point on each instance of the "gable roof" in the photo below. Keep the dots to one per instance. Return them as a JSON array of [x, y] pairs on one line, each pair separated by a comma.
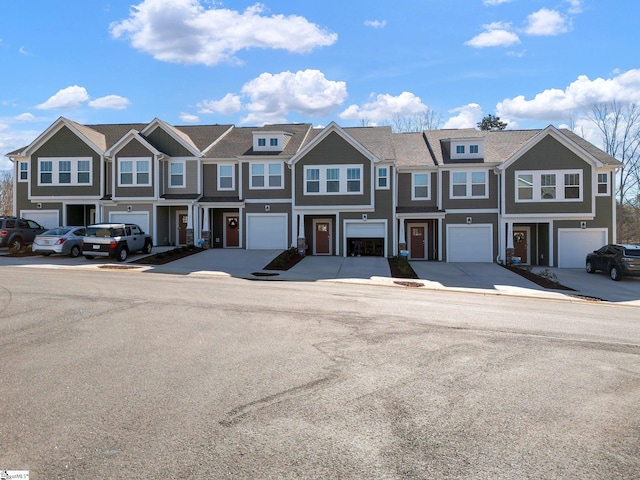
[[239, 141], [179, 136], [95, 140], [128, 137]]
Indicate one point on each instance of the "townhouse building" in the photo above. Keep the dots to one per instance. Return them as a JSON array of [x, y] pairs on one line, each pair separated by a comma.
[[544, 197]]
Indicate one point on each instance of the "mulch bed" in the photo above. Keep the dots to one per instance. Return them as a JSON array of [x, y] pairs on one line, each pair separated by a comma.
[[537, 279], [401, 269], [169, 256]]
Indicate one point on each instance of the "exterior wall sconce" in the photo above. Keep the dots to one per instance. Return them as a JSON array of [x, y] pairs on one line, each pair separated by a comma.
[[267, 208], [469, 220], [583, 225], [129, 208], [364, 217]]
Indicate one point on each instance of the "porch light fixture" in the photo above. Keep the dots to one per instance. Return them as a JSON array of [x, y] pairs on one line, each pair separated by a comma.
[[583, 225], [469, 220], [267, 208], [364, 217]]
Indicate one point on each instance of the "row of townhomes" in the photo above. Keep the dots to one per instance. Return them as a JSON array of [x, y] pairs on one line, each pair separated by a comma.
[[545, 197]]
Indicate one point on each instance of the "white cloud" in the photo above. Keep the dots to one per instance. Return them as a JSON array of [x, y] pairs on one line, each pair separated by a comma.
[[385, 107], [24, 117], [185, 31], [496, 34], [467, 116], [376, 23], [307, 92], [494, 2], [546, 22], [228, 105], [70, 97], [575, 6], [112, 102], [189, 118], [582, 94]]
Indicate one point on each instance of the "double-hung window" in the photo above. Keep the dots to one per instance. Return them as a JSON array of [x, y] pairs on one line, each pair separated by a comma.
[[545, 186], [382, 178], [266, 175], [176, 174], [332, 179], [459, 149], [420, 186], [226, 177], [61, 171], [23, 173], [603, 184], [471, 184], [134, 172]]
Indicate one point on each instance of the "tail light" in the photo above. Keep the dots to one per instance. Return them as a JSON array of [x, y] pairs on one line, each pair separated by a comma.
[[113, 244], [61, 241], [4, 233]]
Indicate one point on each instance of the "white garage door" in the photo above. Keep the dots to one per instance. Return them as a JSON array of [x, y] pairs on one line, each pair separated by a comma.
[[573, 246], [46, 218], [365, 230], [139, 218], [469, 243], [267, 232]]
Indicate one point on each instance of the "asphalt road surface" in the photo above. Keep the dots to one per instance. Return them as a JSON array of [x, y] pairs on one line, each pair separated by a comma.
[[116, 374]]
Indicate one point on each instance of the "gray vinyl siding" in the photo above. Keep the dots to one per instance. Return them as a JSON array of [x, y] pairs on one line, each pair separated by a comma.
[[266, 193], [405, 188], [210, 182], [548, 155], [472, 202], [65, 143], [191, 178], [167, 144], [333, 150]]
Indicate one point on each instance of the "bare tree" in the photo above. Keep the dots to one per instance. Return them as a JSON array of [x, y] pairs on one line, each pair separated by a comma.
[[6, 193], [429, 120], [620, 128]]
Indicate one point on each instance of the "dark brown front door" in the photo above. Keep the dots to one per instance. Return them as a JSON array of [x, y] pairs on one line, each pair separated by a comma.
[[323, 236], [183, 218], [232, 236], [521, 244], [417, 242]]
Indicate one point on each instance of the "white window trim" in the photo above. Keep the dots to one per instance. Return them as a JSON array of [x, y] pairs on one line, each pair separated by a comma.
[[342, 190], [560, 185], [607, 183], [233, 177], [55, 171], [24, 162], [184, 173], [469, 184], [134, 171], [387, 177], [413, 186], [266, 176]]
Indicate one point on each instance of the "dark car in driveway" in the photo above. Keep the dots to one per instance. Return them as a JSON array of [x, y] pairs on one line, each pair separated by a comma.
[[618, 260], [16, 232]]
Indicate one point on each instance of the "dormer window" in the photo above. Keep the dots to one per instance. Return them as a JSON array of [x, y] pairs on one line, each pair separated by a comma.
[[467, 149], [460, 149], [265, 141], [273, 142], [262, 142], [473, 149]]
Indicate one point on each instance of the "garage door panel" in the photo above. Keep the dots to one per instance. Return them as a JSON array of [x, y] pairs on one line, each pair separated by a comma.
[[365, 230], [46, 218], [267, 232], [470, 243], [574, 245], [139, 218]]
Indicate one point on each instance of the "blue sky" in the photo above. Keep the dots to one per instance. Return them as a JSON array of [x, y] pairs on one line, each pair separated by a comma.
[[532, 62]]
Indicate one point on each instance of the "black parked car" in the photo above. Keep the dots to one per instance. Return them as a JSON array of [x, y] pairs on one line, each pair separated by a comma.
[[617, 260], [16, 232]]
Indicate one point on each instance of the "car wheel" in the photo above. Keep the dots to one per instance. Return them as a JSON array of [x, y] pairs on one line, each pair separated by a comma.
[[89, 257], [147, 248], [614, 273], [123, 253], [75, 251], [590, 268], [16, 243]]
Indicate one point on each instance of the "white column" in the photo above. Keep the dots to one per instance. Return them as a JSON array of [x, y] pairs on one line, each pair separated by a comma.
[[205, 222], [510, 235], [403, 235], [301, 233], [190, 217]]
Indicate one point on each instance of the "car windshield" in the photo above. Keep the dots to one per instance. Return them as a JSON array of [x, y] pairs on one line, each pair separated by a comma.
[[56, 232]]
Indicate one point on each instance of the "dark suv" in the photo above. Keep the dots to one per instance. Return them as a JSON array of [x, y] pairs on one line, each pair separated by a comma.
[[16, 232], [617, 260]]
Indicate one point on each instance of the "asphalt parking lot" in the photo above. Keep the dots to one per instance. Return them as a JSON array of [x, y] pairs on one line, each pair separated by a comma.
[[470, 277]]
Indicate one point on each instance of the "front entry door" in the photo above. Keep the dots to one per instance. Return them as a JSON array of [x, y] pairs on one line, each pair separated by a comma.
[[231, 231], [417, 242], [322, 234], [183, 218], [521, 244]]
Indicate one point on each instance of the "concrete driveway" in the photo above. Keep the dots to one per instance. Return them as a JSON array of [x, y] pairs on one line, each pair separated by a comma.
[[473, 277]]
